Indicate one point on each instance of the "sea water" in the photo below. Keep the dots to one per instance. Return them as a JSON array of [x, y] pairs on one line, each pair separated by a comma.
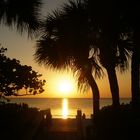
[[66, 107]]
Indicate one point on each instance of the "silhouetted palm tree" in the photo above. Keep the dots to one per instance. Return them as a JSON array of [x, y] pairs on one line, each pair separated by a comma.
[[65, 42], [121, 25], [20, 13], [131, 23], [107, 35]]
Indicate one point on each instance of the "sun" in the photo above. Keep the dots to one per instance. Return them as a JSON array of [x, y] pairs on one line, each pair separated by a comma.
[[61, 84], [65, 86]]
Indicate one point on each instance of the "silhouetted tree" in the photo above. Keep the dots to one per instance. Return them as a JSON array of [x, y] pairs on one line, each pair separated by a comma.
[[106, 33], [131, 26], [111, 30], [96, 32], [119, 27], [14, 77], [23, 14], [65, 42]]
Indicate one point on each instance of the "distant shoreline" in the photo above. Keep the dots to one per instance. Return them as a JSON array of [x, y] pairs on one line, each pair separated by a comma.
[[19, 97], [71, 105]]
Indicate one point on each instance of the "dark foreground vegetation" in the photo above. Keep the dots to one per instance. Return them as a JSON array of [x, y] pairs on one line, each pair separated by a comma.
[[117, 124], [17, 121], [20, 122]]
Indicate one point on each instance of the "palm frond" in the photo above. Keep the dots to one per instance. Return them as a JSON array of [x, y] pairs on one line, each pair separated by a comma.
[[23, 14], [65, 40], [124, 57], [49, 52]]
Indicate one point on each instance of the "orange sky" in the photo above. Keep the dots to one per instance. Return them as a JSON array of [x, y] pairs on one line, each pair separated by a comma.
[[55, 79], [22, 48]]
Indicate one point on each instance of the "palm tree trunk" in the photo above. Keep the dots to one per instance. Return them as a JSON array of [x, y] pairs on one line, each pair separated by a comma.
[[95, 92], [113, 86], [135, 75]]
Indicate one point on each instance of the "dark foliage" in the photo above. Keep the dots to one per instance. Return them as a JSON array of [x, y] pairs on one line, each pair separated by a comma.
[[14, 77], [23, 14], [117, 124], [17, 121]]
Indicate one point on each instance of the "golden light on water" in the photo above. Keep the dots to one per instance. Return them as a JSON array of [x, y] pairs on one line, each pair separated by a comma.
[[65, 108]]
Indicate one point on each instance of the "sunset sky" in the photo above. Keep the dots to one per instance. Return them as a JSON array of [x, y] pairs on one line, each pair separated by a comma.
[[58, 83]]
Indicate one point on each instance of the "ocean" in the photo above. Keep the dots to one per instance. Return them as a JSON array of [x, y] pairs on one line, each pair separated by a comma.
[[67, 107]]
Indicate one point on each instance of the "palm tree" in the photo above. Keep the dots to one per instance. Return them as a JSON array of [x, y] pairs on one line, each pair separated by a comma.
[[131, 23], [135, 72], [117, 15], [23, 14], [107, 36], [65, 42]]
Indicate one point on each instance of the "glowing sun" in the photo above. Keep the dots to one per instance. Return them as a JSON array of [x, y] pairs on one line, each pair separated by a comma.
[[65, 86]]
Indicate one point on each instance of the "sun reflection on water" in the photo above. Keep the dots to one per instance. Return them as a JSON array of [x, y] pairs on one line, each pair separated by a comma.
[[65, 108]]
